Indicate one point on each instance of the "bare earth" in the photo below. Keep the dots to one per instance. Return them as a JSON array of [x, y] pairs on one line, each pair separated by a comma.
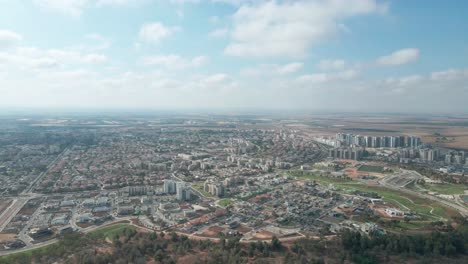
[[7, 237]]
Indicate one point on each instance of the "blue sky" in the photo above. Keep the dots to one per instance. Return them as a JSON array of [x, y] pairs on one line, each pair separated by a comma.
[[347, 55]]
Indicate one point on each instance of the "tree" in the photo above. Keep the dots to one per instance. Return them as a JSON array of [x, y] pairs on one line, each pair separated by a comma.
[[174, 237], [275, 243]]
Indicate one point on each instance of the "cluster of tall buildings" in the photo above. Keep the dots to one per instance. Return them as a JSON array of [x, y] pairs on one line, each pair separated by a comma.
[[352, 153], [181, 190], [343, 139], [455, 157], [432, 154], [255, 163], [424, 154], [214, 188], [137, 190]]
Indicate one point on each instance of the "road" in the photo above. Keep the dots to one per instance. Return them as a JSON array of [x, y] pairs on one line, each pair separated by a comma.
[[38, 178], [55, 240], [387, 182], [11, 211], [23, 234], [22, 199]]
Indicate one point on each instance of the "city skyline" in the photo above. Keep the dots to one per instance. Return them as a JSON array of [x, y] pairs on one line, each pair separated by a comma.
[[363, 55]]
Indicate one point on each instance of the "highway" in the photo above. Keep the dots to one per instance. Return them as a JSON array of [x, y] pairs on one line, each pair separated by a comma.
[[38, 178], [22, 199], [387, 182], [31, 246], [11, 211]]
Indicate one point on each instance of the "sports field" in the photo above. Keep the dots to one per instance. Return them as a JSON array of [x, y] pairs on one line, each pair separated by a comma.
[[371, 168]]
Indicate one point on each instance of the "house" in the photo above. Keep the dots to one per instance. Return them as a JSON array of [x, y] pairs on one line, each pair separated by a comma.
[[393, 212]]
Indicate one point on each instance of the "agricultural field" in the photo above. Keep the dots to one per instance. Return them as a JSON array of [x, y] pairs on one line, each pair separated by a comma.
[[442, 131]]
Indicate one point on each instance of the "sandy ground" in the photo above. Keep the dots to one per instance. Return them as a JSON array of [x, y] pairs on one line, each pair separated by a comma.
[[263, 235], [243, 229], [7, 237]]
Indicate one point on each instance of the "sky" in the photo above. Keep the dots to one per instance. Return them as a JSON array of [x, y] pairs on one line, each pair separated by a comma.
[[338, 55]]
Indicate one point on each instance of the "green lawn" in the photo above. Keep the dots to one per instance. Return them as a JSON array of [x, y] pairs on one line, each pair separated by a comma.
[[225, 202], [371, 168], [26, 255], [67, 242], [59, 248], [315, 176], [402, 200], [446, 188], [111, 231], [399, 199], [405, 227], [199, 187]]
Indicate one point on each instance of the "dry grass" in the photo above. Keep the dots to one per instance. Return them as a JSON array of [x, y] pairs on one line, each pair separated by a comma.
[[212, 231]]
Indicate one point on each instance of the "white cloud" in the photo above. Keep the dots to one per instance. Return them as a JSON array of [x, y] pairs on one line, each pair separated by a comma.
[[219, 33], [75, 8], [67, 56], [216, 78], [237, 2], [180, 13], [327, 65], [67, 7], [450, 74], [404, 81], [290, 68], [273, 69], [9, 39], [399, 57], [290, 28], [97, 42], [328, 77], [314, 78], [155, 32], [44, 63], [181, 2], [214, 19], [94, 58], [119, 2], [175, 62], [30, 58]]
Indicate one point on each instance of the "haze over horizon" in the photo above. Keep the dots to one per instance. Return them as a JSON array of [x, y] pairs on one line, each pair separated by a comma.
[[337, 55]]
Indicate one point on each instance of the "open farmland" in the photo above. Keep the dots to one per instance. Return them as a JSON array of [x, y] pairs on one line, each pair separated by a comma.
[[449, 131]]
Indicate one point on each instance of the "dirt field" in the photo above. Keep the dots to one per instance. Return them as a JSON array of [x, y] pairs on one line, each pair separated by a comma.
[[212, 231], [243, 229], [7, 237], [30, 207], [263, 235]]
